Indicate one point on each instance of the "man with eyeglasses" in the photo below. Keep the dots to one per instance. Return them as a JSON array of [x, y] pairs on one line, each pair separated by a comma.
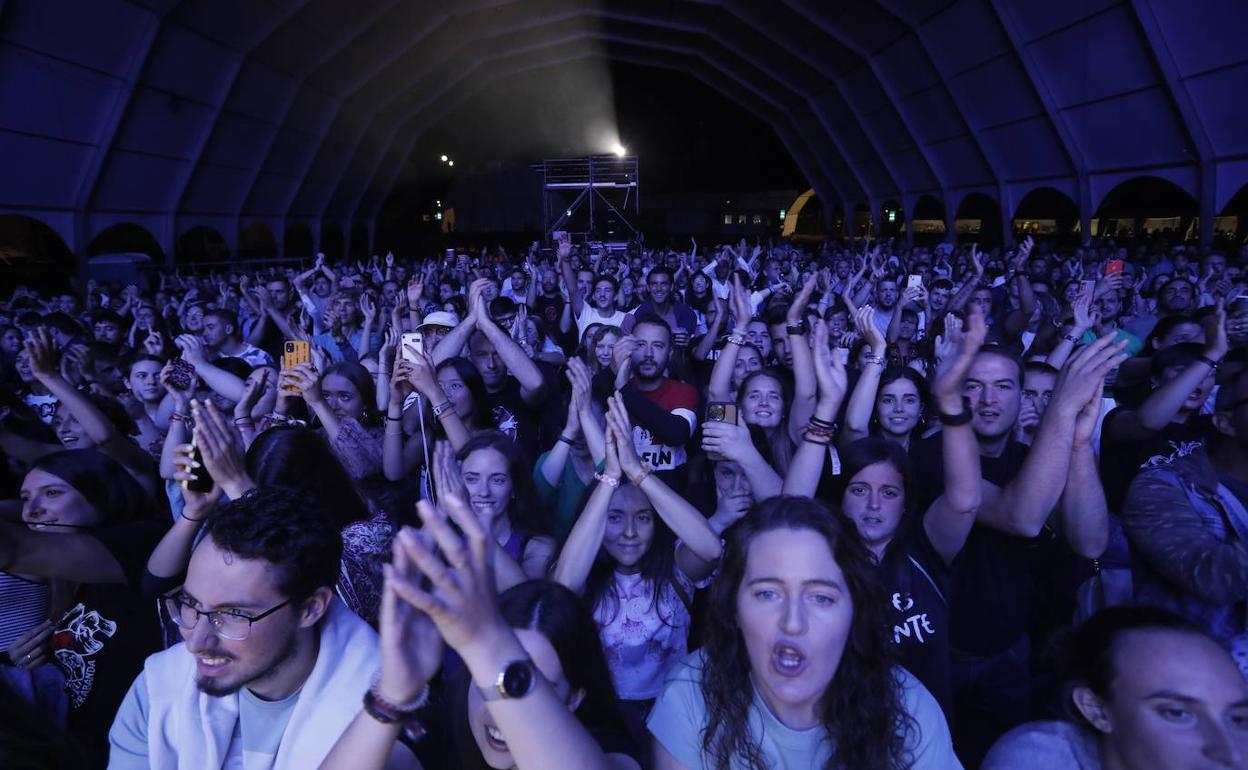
[[272, 667]]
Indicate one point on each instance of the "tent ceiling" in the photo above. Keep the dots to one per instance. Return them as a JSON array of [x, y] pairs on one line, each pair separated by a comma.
[[308, 109]]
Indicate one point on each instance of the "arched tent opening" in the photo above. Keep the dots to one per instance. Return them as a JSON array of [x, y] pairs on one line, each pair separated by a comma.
[[32, 253], [1233, 221], [1046, 211], [332, 244], [927, 221], [202, 244], [891, 219], [791, 215], [809, 220], [1146, 204], [359, 242], [256, 241], [978, 219], [126, 237], [298, 240]]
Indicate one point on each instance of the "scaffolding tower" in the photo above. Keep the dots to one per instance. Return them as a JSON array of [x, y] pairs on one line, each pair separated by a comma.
[[591, 198]]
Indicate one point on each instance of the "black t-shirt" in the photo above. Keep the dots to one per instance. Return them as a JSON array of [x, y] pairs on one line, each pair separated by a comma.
[[101, 643], [508, 410], [992, 576], [918, 583], [1121, 460], [548, 309]]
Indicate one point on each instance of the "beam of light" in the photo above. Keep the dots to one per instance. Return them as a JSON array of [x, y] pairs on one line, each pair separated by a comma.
[[619, 150]]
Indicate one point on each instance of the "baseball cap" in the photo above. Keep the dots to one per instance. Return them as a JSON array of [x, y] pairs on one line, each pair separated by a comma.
[[441, 318]]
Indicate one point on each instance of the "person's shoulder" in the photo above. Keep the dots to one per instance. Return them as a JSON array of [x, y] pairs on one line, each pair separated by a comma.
[[1047, 744], [680, 389]]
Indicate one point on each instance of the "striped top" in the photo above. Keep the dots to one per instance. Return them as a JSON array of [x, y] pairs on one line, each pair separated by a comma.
[[23, 605]]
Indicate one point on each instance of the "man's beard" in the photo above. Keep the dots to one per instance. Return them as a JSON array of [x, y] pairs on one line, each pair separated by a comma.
[[209, 686], [650, 370]]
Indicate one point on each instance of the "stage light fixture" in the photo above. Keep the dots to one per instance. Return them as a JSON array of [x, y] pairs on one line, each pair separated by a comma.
[[444, 159]]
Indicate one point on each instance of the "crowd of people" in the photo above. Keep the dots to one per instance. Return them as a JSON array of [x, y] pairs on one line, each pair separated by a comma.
[[857, 505]]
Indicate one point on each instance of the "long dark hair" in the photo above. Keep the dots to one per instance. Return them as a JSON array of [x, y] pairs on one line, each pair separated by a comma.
[[300, 458], [777, 448], [523, 511], [562, 618], [891, 375], [869, 451], [862, 708], [104, 482], [658, 572], [471, 376], [363, 383]]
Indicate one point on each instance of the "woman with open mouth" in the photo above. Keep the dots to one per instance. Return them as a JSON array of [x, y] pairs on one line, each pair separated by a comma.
[[795, 671], [622, 554]]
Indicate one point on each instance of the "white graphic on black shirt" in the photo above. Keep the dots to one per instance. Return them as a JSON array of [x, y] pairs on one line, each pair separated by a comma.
[[506, 421], [916, 627], [80, 637]]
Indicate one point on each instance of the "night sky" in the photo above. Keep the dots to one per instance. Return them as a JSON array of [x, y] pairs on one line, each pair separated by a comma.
[[688, 138]]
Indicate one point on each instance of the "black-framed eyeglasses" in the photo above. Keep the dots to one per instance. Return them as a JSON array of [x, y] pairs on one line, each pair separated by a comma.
[[227, 624]]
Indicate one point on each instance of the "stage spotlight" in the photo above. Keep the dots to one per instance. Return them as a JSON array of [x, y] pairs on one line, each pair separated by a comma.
[[620, 151], [450, 163], [444, 159]]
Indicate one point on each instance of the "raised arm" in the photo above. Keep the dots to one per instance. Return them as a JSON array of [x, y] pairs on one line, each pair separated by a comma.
[[1024, 505], [579, 551], [732, 442], [369, 309], [806, 465], [532, 384], [228, 385], [1084, 318], [862, 401], [970, 282], [720, 386], [1084, 511], [949, 519], [540, 730], [456, 339], [1165, 403], [43, 364], [303, 378], [803, 364], [700, 545], [576, 300]]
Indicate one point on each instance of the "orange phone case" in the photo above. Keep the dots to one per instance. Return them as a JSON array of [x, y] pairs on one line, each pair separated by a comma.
[[295, 352]]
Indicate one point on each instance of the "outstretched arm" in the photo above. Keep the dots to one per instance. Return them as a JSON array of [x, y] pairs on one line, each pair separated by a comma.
[[949, 519]]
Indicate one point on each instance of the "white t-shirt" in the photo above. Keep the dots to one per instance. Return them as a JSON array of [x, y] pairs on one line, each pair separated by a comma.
[[590, 315], [679, 716]]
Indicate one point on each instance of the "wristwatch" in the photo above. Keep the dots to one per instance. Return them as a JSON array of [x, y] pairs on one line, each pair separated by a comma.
[[516, 680], [953, 420]]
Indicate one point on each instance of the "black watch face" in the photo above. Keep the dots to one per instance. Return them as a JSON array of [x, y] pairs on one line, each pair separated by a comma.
[[518, 679]]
